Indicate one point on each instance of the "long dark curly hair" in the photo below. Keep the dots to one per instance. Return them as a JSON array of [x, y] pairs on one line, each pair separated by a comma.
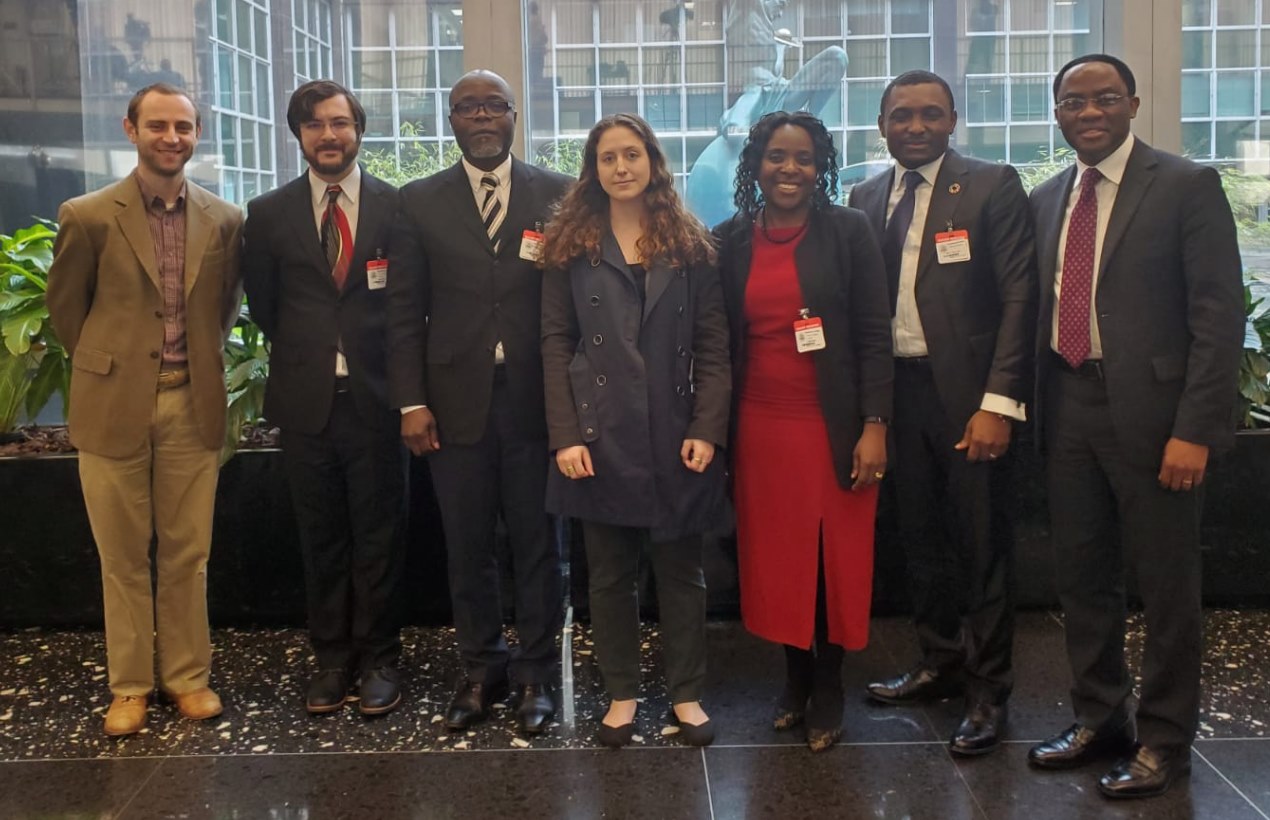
[[748, 197], [672, 236]]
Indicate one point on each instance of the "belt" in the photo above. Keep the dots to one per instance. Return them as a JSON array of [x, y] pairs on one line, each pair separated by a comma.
[[175, 377], [912, 361], [1089, 369]]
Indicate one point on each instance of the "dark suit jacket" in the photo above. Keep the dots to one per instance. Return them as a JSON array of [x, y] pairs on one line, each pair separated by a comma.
[[842, 275], [292, 296], [451, 299], [979, 316], [1169, 302]]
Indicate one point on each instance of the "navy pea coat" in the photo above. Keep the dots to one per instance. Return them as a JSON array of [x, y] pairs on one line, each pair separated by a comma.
[[632, 382]]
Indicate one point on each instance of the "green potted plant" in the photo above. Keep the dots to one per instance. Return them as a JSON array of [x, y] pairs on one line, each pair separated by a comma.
[[33, 363]]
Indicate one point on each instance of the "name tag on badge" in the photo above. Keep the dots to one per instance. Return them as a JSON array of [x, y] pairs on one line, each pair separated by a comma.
[[377, 274], [809, 334], [531, 245], [952, 246]]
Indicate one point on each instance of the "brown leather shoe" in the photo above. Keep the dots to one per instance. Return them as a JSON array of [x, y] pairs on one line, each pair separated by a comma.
[[200, 704], [126, 715]]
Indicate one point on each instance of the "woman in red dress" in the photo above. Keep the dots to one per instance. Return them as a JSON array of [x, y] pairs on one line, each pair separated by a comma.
[[805, 288]]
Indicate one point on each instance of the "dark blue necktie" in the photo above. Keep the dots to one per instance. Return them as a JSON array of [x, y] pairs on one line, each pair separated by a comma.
[[897, 227]]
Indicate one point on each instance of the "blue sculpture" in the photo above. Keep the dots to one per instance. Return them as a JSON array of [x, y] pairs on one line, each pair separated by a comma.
[[756, 54]]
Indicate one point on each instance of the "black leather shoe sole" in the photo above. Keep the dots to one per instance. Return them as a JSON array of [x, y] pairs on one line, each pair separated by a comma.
[[324, 708]]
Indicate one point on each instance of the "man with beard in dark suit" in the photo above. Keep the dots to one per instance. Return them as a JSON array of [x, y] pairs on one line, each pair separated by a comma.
[[316, 273], [466, 371]]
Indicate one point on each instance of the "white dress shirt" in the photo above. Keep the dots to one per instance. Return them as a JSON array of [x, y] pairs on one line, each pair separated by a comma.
[[1112, 169], [906, 328], [350, 195]]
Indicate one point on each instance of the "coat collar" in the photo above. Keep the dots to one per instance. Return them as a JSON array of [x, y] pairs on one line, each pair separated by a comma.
[[131, 218]]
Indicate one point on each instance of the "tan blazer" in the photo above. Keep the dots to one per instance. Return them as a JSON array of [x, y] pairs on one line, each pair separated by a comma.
[[107, 308]]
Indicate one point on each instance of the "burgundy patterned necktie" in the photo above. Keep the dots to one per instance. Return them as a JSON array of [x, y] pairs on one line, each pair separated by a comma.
[[337, 237], [1077, 287]]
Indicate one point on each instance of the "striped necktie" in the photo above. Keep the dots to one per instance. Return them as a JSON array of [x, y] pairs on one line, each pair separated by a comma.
[[491, 208], [337, 237]]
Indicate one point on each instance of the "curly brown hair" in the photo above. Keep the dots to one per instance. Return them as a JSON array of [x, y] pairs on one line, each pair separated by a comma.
[[672, 236]]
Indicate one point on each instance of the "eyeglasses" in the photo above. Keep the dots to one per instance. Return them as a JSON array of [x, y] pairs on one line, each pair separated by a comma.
[[468, 109], [339, 126], [1074, 105]]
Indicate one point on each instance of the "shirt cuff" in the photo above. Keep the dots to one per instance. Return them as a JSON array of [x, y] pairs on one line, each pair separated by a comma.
[[410, 408], [1004, 406]]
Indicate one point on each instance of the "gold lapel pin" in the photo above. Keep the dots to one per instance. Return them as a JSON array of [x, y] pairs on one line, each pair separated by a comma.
[[955, 188]]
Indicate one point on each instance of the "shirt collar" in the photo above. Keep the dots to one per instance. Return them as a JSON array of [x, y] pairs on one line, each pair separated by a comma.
[[929, 172], [1113, 165], [350, 185], [153, 200], [474, 174]]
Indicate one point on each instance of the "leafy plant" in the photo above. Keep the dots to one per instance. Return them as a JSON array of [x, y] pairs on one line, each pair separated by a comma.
[[1254, 368], [561, 156], [417, 159], [246, 371], [33, 363]]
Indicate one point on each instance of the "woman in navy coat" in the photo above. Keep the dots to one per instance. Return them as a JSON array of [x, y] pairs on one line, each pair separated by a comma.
[[638, 388]]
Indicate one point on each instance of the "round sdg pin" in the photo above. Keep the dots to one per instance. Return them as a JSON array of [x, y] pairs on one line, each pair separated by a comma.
[[955, 188]]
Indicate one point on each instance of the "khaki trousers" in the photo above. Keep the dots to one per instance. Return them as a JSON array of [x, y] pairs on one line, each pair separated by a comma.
[[169, 489]]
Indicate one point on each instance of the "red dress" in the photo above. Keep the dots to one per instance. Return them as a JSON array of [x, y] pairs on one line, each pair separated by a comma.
[[786, 490]]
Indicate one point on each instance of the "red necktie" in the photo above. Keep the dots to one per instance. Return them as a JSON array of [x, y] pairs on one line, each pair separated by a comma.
[[337, 237], [1077, 286]]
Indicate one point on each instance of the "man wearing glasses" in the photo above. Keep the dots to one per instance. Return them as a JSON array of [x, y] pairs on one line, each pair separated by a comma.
[[1141, 323], [466, 371], [316, 273]]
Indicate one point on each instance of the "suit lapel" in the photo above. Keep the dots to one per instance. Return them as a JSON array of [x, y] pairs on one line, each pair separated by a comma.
[[460, 188], [132, 223], [1139, 173], [1049, 227], [298, 203], [947, 193], [518, 208], [659, 278], [198, 231], [372, 210]]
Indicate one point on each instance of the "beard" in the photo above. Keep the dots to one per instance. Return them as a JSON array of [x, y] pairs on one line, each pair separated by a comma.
[[485, 146], [348, 155]]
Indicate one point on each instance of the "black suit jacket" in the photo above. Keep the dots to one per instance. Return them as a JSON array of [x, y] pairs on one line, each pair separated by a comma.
[[452, 298], [979, 316], [841, 275], [292, 296], [1169, 302]]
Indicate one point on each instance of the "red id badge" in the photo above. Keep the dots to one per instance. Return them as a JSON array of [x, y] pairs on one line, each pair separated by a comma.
[[809, 334]]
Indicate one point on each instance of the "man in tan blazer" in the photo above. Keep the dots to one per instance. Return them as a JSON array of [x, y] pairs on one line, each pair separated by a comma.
[[143, 289]]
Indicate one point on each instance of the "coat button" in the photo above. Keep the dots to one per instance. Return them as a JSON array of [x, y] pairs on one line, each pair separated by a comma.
[[590, 431], [595, 301], [680, 310], [597, 339], [601, 380], [586, 405], [683, 274], [154, 354], [679, 389], [682, 351], [158, 314]]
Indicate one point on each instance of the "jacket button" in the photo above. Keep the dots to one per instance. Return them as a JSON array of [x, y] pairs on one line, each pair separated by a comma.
[[158, 314], [154, 354], [586, 405], [679, 389], [590, 431], [682, 351], [601, 380], [597, 339], [680, 310], [595, 301], [682, 273]]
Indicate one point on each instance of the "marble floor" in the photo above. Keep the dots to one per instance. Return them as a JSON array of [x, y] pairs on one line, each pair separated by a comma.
[[265, 758]]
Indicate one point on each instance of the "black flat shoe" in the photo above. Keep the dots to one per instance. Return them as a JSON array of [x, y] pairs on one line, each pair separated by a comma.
[[1079, 745], [916, 685], [379, 692], [615, 737], [1147, 773], [980, 730], [536, 708], [701, 734], [327, 692]]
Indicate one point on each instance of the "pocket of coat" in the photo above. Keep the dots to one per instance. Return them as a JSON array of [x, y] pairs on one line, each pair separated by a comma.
[[1168, 368], [92, 361]]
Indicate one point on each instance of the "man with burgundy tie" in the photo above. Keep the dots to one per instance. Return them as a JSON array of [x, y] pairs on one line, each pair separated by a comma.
[[316, 273], [958, 246], [465, 364], [1140, 329]]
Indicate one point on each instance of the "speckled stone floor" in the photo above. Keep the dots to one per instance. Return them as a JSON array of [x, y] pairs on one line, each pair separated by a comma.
[[265, 758]]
